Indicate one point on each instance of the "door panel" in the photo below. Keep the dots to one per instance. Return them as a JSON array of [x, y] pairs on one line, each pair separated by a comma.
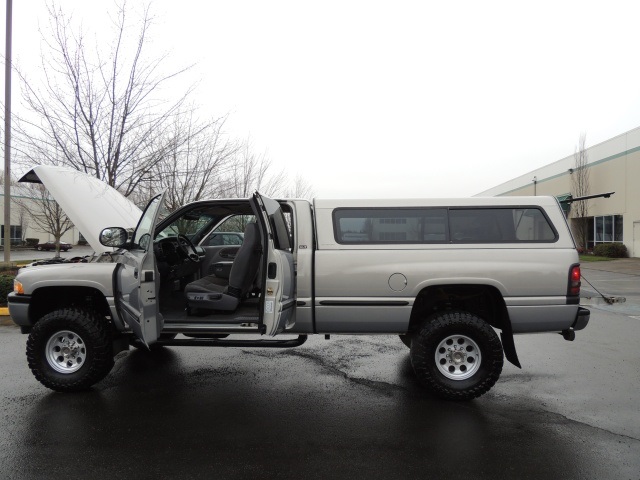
[[279, 293], [137, 282], [278, 273], [138, 279]]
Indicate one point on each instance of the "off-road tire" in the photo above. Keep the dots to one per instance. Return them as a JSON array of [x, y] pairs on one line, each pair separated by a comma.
[[429, 348], [96, 352], [406, 339]]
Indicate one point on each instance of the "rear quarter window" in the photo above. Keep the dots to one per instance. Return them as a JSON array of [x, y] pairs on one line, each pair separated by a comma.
[[442, 225], [390, 225], [500, 225]]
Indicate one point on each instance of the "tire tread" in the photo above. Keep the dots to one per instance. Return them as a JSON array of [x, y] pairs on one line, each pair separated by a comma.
[[421, 355], [95, 333]]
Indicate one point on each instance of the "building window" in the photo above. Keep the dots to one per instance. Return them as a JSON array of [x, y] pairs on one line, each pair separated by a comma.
[[606, 229], [617, 228], [15, 232]]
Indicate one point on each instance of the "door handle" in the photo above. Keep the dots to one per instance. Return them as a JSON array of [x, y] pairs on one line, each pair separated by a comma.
[[272, 270]]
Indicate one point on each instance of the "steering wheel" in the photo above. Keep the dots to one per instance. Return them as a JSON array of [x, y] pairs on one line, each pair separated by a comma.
[[187, 248]]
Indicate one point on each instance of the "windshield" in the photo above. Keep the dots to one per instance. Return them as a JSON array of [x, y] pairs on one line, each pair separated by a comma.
[[141, 236]]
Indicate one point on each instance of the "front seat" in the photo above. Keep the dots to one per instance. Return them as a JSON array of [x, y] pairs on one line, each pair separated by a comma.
[[206, 291]]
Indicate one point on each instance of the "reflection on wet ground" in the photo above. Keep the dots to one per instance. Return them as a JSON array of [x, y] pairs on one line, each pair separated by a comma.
[[344, 408]]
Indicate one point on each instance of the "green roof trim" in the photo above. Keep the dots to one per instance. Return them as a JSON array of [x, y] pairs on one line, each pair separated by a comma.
[[566, 206]]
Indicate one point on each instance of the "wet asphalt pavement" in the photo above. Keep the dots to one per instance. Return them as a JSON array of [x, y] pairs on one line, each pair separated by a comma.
[[348, 407]]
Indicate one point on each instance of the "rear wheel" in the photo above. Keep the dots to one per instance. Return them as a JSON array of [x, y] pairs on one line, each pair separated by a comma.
[[456, 355], [70, 349]]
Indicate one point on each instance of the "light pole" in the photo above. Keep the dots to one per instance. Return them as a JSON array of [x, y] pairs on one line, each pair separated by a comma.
[[535, 186], [7, 136]]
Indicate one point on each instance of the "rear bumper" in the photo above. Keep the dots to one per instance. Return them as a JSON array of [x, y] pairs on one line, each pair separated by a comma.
[[582, 319]]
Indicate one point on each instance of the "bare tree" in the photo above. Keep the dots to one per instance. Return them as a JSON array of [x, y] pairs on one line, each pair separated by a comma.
[[580, 188], [100, 113], [236, 223], [249, 172], [197, 157], [45, 212], [299, 188], [104, 114]]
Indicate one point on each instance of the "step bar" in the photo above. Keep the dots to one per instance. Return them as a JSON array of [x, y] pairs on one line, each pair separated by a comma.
[[214, 342], [211, 328]]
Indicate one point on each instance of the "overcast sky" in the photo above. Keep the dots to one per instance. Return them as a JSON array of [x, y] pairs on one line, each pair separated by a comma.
[[396, 98]]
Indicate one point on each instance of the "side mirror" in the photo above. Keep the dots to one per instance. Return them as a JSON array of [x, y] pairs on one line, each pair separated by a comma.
[[113, 237]]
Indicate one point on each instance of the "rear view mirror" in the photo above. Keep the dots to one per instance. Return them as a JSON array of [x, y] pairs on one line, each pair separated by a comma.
[[113, 237]]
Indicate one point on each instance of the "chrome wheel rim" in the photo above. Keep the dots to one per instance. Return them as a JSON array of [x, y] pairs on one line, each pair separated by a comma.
[[66, 351], [458, 357]]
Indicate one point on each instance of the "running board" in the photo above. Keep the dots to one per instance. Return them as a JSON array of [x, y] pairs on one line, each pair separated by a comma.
[[210, 328], [212, 342]]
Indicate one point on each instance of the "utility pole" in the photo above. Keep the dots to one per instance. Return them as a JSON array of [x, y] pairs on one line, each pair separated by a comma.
[[7, 136]]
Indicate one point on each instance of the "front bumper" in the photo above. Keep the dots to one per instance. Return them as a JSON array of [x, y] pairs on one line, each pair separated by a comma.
[[19, 310]]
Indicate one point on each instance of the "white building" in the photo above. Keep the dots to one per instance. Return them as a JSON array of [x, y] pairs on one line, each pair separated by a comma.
[[614, 167], [22, 225]]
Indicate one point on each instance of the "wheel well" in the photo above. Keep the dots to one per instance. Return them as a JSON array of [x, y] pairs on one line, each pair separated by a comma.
[[484, 301], [46, 300]]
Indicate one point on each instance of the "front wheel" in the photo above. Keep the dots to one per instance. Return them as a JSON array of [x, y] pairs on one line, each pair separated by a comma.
[[456, 355], [70, 349]]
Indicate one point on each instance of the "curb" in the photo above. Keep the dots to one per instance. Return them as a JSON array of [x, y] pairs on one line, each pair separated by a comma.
[[5, 319], [625, 266]]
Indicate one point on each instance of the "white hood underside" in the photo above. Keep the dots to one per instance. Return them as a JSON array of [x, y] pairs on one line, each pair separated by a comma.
[[90, 204]]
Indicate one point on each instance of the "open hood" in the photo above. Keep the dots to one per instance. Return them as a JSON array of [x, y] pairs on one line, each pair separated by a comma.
[[90, 204]]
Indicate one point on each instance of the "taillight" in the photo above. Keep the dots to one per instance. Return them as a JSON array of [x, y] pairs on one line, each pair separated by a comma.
[[574, 281]]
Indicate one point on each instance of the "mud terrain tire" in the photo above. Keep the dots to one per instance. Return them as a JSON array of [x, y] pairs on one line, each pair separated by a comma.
[[456, 355], [70, 350]]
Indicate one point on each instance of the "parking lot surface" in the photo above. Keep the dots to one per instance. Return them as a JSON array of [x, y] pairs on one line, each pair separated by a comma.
[[22, 254], [348, 407]]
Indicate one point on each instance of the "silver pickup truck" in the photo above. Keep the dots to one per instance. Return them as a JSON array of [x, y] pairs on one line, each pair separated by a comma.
[[443, 274]]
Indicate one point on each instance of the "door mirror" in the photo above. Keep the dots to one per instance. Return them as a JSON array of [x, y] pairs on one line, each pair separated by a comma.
[[113, 237]]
